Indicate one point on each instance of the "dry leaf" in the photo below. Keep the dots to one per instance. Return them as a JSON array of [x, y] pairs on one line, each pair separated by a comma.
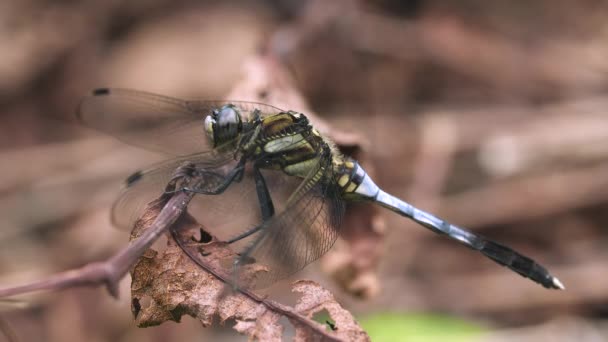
[[316, 299], [168, 284]]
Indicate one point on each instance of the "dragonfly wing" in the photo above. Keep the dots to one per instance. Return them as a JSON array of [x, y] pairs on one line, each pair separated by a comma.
[[225, 215], [156, 122], [236, 209], [142, 187], [303, 232]]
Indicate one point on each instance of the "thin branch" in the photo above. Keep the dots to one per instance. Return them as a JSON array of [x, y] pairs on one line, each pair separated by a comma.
[[110, 272]]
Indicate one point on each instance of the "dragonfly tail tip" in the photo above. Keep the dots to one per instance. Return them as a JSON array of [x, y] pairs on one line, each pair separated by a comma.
[[558, 284]]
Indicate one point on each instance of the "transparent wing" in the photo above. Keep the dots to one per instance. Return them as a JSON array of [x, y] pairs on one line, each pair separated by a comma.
[[156, 122], [142, 187], [238, 208], [303, 232], [225, 215]]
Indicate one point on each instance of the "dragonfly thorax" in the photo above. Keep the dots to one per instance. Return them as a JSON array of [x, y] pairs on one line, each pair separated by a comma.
[[223, 124]]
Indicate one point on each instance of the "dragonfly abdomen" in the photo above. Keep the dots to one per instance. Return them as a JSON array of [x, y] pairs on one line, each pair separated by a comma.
[[353, 180]]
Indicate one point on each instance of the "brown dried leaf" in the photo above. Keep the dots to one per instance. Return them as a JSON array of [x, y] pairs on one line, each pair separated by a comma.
[[315, 299], [168, 284]]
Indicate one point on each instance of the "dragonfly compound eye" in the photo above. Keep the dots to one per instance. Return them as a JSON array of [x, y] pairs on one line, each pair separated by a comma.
[[227, 124]]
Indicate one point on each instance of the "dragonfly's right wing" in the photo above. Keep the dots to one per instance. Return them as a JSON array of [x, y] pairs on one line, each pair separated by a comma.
[[302, 232], [156, 122]]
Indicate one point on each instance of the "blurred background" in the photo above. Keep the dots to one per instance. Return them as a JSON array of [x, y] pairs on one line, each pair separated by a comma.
[[489, 114]]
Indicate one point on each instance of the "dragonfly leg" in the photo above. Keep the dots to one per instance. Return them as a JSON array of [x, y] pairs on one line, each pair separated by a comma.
[[233, 175], [266, 205], [245, 255], [267, 211]]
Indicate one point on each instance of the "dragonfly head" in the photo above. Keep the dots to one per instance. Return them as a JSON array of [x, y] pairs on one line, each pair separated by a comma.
[[223, 124]]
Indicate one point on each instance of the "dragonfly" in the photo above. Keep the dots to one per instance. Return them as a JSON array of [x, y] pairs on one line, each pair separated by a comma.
[[279, 187]]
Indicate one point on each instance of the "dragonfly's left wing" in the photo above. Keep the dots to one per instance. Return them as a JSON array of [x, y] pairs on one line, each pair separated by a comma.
[[142, 187]]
